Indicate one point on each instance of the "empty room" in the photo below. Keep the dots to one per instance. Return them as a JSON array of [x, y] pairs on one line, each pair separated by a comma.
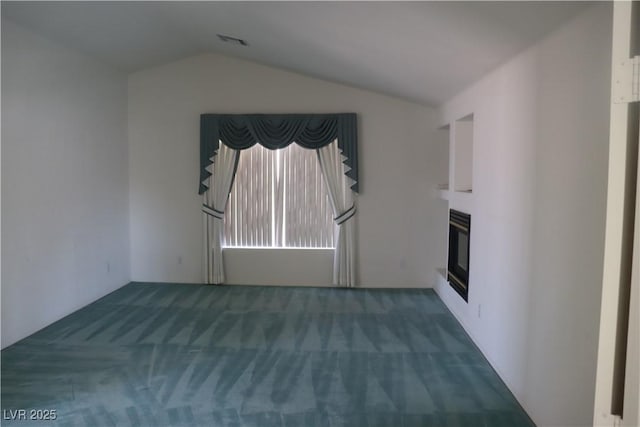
[[303, 214]]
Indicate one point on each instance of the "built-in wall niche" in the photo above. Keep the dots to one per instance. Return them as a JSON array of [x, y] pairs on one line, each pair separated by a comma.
[[455, 180], [462, 148]]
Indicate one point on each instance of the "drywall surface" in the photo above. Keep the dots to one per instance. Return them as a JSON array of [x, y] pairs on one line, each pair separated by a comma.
[[394, 209], [295, 267], [538, 216], [64, 182]]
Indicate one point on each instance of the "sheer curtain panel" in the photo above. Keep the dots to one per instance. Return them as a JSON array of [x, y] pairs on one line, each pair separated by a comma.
[[344, 208], [225, 162]]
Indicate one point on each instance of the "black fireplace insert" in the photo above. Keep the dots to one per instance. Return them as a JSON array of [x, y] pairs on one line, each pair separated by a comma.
[[458, 265]]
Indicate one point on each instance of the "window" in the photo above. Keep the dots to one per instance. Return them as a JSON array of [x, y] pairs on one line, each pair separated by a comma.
[[279, 200]]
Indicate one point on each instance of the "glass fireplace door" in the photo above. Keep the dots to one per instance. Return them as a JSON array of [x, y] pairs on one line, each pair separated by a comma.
[[458, 265]]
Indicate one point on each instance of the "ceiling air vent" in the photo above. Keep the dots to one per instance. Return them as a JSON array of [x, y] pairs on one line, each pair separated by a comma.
[[232, 40]]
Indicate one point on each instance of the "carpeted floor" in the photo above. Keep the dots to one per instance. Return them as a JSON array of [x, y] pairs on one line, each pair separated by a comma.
[[190, 355]]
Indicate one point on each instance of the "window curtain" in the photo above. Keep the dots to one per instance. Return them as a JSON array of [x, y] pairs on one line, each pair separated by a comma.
[[273, 131], [344, 208], [228, 133], [225, 163]]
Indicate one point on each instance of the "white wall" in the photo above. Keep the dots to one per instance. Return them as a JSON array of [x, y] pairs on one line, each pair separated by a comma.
[[538, 215], [64, 182], [295, 267], [395, 215]]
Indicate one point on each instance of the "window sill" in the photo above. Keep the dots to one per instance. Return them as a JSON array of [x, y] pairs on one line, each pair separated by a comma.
[[244, 248]]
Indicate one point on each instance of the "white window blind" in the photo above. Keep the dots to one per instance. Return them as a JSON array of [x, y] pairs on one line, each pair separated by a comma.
[[279, 199]]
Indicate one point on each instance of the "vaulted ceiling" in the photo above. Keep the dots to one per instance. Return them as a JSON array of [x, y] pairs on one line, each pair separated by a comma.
[[421, 51]]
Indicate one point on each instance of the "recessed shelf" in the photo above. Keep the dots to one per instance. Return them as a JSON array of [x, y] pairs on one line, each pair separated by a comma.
[[457, 158]]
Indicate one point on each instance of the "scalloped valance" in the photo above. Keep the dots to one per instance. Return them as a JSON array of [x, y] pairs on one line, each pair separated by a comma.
[[273, 131]]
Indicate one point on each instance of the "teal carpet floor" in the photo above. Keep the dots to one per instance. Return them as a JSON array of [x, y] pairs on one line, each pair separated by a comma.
[[191, 355]]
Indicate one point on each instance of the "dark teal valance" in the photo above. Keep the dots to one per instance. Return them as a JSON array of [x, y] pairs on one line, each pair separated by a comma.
[[273, 131]]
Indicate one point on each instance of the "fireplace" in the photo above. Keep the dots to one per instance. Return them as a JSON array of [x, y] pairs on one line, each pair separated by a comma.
[[458, 265]]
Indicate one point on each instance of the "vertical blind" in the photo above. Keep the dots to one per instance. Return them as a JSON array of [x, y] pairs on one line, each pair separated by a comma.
[[279, 199]]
